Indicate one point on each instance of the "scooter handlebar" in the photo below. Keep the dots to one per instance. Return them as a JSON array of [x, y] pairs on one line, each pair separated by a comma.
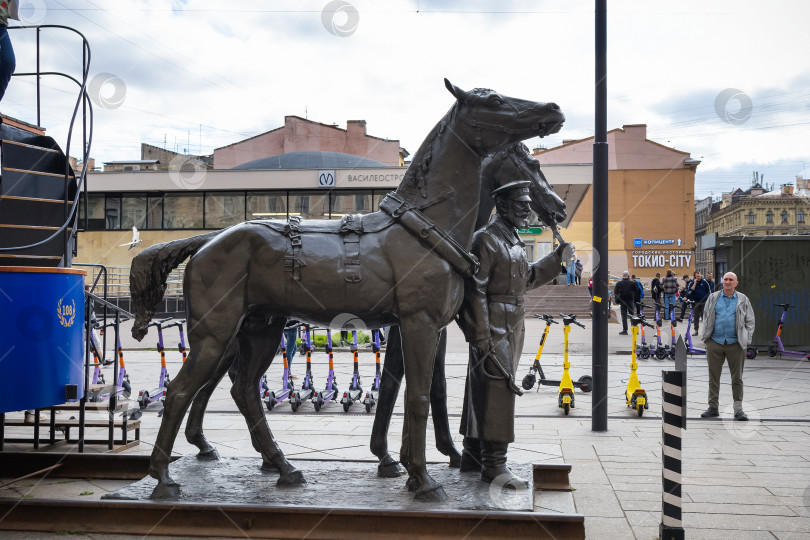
[[784, 305], [157, 323], [547, 318]]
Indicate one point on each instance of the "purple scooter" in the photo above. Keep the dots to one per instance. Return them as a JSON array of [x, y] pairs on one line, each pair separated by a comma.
[[147, 397], [271, 398], [750, 352], [319, 399], [373, 395], [355, 390], [776, 347]]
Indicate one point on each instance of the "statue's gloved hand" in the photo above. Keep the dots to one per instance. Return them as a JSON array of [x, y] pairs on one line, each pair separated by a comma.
[[483, 346], [563, 251]]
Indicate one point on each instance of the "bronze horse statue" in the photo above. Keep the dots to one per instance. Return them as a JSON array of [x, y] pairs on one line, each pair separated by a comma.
[[243, 283], [499, 168]]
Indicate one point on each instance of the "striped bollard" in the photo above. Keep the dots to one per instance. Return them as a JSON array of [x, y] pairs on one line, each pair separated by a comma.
[[674, 401]]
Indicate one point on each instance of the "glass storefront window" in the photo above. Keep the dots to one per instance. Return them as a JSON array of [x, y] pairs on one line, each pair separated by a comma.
[[266, 205], [224, 209], [154, 212], [96, 221], [112, 212], [183, 211], [350, 203], [310, 205], [133, 211]]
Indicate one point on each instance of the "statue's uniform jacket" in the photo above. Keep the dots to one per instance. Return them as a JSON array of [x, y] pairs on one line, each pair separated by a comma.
[[493, 307]]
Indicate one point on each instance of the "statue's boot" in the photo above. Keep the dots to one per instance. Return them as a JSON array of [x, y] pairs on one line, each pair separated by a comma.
[[471, 455], [493, 458]]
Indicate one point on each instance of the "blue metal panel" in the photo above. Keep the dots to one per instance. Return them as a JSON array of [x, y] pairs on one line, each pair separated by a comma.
[[41, 336]]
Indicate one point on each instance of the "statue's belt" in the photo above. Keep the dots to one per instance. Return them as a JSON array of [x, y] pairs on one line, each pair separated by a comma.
[[506, 299], [419, 225]]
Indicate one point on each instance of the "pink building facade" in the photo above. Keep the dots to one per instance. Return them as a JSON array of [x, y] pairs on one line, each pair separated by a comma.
[[302, 135]]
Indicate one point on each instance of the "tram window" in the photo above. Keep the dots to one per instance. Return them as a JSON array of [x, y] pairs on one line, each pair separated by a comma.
[[224, 209], [133, 211], [154, 213], [266, 205], [112, 213], [183, 211], [312, 205], [350, 203], [96, 221]]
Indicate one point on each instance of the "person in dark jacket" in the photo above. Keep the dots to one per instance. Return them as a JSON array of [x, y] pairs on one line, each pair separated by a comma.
[[710, 280], [699, 290], [669, 285], [655, 288], [625, 293]]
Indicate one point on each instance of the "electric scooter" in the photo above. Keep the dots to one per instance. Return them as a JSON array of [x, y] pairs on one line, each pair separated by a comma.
[[330, 392], [147, 397], [565, 394], [691, 349], [124, 387], [373, 394], [584, 383], [531, 376], [307, 387], [355, 390], [271, 398], [776, 347], [635, 395], [661, 351], [643, 349]]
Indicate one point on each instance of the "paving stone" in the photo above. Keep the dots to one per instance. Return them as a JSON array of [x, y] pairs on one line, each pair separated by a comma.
[[602, 528]]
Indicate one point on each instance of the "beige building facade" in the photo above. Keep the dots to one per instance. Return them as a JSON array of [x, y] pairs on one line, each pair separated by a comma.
[[779, 212], [651, 208]]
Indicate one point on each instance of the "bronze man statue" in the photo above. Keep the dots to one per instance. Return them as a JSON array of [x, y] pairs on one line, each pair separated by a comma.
[[492, 316]]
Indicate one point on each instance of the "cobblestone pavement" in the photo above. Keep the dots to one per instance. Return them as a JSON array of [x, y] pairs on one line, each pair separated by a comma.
[[742, 480]]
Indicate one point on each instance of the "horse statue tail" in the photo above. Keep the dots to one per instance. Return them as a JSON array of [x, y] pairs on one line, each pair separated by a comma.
[[148, 273]]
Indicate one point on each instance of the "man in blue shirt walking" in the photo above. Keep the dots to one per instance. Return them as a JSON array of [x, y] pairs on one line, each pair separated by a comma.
[[728, 326]]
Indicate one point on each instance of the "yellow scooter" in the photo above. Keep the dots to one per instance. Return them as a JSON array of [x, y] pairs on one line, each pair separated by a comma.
[[635, 395], [565, 394]]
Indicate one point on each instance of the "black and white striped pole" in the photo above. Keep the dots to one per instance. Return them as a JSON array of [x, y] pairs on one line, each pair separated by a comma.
[[674, 422]]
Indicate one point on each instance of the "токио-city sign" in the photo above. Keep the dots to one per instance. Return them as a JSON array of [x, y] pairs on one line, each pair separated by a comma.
[[662, 259]]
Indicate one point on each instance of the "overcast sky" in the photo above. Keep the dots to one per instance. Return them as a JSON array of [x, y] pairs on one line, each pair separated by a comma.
[[727, 81]]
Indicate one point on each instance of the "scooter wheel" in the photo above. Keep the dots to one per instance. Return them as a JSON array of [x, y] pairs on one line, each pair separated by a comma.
[[566, 408], [645, 352], [317, 402], [751, 353], [368, 407], [640, 409], [127, 389], [143, 399], [294, 403], [346, 405], [528, 381], [773, 350], [337, 392], [661, 353], [585, 383], [270, 401]]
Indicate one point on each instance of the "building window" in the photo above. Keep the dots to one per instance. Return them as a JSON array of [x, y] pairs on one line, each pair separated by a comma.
[[800, 216], [266, 205], [96, 220], [133, 211], [112, 212], [342, 203], [224, 209], [310, 205], [784, 215], [183, 211], [769, 217], [751, 217], [154, 212]]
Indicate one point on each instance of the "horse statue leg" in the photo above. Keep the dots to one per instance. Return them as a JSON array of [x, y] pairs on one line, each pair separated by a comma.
[[438, 405], [393, 371], [420, 337], [257, 348], [194, 423]]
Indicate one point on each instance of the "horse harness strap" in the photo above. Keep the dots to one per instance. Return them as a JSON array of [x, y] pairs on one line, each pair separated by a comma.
[[351, 227], [293, 263], [418, 224], [506, 299]]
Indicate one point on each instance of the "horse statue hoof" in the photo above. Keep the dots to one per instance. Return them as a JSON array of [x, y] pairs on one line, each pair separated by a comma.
[[166, 491], [270, 467], [432, 495], [292, 478], [389, 468], [208, 455], [455, 460]]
